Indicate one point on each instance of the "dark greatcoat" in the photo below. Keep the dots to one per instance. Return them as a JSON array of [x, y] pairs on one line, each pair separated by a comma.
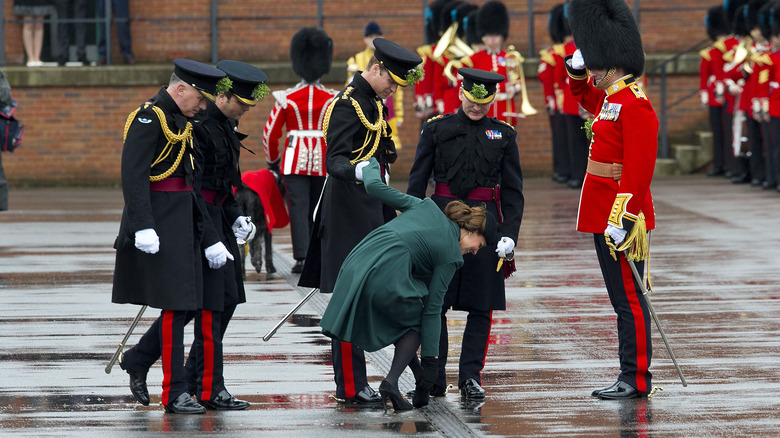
[[219, 146], [346, 213], [466, 154], [171, 279]]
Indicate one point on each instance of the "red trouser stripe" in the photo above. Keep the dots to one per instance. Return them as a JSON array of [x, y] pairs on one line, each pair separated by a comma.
[[208, 353], [484, 357], [632, 295], [346, 368], [167, 346]]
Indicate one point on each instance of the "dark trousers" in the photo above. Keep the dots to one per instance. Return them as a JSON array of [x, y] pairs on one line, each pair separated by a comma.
[[3, 186], [773, 154], [122, 15], [204, 367], [164, 339], [63, 29], [729, 160], [718, 139], [560, 146], [349, 369], [473, 348], [303, 192], [578, 146], [755, 134], [635, 347]]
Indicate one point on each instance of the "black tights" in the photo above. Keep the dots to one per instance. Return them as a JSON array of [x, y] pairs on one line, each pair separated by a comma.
[[405, 355]]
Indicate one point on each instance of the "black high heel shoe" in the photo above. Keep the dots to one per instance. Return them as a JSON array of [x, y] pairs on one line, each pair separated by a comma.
[[387, 391]]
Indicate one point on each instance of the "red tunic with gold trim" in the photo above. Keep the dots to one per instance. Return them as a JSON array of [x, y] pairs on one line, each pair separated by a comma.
[[625, 131], [301, 109], [445, 93], [496, 63], [423, 89], [546, 75], [711, 71]]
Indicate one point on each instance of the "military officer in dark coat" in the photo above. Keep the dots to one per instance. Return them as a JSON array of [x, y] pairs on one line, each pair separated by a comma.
[[355, 130], [473, 158], [163, 234]]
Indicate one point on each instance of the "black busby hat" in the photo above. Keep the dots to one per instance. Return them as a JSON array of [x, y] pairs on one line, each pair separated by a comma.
[[555, 22], [606, 33], [311, 52], [741, 25], [764, 19], [731, 7], [462, 15], [246, 82], [402, 64], [372, 28], [493, 18], [716, 22], [774, 20], [479, 86], [470, 27], [449, 14], [201, 76], [432, 19]]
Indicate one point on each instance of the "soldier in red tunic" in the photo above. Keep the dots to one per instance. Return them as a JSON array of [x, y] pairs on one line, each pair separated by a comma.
[[616, 205], [301, 110]]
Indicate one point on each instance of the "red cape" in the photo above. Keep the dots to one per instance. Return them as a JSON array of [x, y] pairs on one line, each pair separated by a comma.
[[263, 183]]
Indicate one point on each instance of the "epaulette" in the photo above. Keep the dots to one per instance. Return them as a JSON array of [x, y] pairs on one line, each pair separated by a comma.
[[346, 92], [434, 118], [504, 122], [720, 45], [425, 51], [281, 97], [638, 91], [560, 50], [705, 53], [547, 56]]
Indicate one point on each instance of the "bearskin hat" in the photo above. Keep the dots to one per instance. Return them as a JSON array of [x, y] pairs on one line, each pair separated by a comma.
[[716, 23], [449, 15], [433, 19], [311, 52], [741, 25], [774, 20], [606, 33], [555, 24], [764, 20], [493, 18], [731, 7], [462, 14], [470, 24]]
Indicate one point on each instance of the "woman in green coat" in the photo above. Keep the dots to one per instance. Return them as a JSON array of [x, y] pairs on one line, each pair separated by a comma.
[[379, 298]]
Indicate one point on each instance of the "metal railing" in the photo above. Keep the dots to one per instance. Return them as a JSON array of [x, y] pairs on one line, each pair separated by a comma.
[[660, 70]]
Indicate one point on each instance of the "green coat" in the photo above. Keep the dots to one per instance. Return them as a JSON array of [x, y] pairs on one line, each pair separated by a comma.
[[377, 297]]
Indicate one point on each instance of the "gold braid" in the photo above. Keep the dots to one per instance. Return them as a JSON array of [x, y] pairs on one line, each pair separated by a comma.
[[380, 128], [184, 137]]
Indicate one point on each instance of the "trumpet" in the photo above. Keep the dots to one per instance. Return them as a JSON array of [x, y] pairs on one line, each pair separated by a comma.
[[452, 45], [514, 70]]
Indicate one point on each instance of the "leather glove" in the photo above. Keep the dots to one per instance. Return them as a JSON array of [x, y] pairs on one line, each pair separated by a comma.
[[359, 170], [616, 234], [505, 248], [243, 228], [217, 255], [430, 371], [577, 61], [147, 240]]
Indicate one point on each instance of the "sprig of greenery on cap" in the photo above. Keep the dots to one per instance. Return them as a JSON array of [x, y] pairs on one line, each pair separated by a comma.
[[414, 75], [223, 86], [478, 91], [260, 91]]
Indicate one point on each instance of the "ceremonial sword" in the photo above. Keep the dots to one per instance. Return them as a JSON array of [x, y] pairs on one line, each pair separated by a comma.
[[290, 313], [641, 283], [118, 351]]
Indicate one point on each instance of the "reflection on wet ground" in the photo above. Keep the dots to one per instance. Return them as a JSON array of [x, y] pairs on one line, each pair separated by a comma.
[[714, 271]]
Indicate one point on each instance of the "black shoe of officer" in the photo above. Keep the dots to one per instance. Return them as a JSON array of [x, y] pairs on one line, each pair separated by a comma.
[[611, 387], [224, 402], [137, 385], [184, 404], [471, 390], [621, 390], [574, 183], [742, 178], [367, 397], [715, 172], [297, 267]]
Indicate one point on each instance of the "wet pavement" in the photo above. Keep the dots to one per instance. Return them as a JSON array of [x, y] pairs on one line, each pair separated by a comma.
[[714, 266]]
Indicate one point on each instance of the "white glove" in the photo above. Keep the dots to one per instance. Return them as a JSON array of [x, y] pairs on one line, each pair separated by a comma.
[[617, 234], [243, 228], [359, 170], [217, 255], [704, 97], [147, 241], [505, 247], [577, 62]]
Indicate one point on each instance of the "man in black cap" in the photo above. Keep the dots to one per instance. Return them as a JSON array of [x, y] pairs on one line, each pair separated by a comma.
[[162, 236], [616, 205], [219, 142], [473, 158], [355, 130]]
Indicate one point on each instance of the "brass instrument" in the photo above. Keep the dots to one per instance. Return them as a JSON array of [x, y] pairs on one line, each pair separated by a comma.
[[514, 70], [738, 54], [452, 45]]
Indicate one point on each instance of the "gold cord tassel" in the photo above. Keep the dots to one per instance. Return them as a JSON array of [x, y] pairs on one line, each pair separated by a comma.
[[635, 245]]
